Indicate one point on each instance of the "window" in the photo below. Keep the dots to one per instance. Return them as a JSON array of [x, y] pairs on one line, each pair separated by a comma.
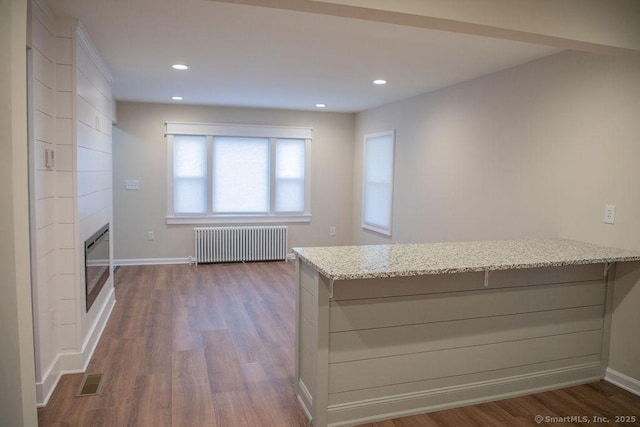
[[377, 187], [290, 175], [190, 174], [235, 173], [240, 175]]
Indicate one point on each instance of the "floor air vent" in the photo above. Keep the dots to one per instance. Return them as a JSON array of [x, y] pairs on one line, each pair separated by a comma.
[[90, 385]]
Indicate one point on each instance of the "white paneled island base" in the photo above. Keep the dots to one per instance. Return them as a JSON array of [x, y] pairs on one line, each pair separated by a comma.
[[388, 331]]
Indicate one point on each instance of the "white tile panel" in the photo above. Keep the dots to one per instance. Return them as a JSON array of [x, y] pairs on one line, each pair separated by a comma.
[[105, 123], [44, 184], [64, 51], [90, 160], [93, 202], [64, 77], [45, 295], [45, 212], [66, 312], [42, 69], [44, 16], [64, 131], [66, 236], [45, 241], [43, 126], [91, 182], [66, 286], [64, 158], [64, 105], [89, 138], [86, 112], [64, 183], [42, 39], [94, 119], [108, 129], [48, 266], [49, 210], [65, 28], [95, 98], [67, 337], [48, 344], [66, 261], [65, 207], [42, 98], [91, 72]]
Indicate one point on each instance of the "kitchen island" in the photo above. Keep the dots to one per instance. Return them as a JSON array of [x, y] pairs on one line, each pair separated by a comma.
[[391, 330]]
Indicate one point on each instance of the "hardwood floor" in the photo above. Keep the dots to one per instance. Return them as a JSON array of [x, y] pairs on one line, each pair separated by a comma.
[[597, 404], [213, 346]]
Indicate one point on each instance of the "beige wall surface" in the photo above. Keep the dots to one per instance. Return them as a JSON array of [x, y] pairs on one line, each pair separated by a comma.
[[534, 151], [140, 153], [473, 162], [17, 373]]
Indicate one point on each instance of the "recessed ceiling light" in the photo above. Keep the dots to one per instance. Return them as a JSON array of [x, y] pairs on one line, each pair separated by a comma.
[[379, 82], [177, 98], [320, 105], [180, 67]]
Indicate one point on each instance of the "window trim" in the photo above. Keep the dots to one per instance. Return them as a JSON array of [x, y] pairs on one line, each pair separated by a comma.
[[386, 231], [210, 130]]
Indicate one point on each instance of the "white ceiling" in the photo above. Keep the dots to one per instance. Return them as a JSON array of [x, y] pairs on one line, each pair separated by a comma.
[[263, 57]]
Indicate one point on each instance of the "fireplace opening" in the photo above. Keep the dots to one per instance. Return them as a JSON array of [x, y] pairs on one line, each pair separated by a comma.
[[96, 264]]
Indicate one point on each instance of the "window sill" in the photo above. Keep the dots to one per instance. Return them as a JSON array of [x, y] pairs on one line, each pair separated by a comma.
[[239, 219], [378, 230]]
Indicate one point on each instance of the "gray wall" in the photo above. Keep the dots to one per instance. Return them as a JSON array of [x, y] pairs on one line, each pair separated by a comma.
[[140, 153], [533, 151]]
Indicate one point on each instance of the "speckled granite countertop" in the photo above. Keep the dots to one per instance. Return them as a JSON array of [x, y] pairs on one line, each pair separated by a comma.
[[365, 262]]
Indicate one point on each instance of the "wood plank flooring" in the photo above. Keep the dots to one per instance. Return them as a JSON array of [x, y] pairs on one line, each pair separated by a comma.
[[213, 345]]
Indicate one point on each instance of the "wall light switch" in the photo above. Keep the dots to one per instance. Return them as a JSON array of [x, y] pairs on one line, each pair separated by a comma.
[[132, 184], [609, 214], [49, 158]]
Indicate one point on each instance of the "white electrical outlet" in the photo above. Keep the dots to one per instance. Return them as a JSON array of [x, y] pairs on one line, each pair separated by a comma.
[[150, 235], [332, 231], [132, 184], [609, 214]]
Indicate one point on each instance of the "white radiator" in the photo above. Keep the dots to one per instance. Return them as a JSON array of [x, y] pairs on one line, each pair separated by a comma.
[[246, 243]]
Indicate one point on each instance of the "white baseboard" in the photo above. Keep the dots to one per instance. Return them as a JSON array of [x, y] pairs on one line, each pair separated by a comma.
[[50, 379], [90, 344], [76, 362], [387, 407], [150, 261], [623, 381]]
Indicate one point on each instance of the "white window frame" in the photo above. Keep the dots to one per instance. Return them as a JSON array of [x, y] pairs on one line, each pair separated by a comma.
[[211, 130], [386, 231]]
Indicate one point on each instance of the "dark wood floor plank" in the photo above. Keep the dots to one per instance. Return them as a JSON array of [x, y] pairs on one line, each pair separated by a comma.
[[208, 313], [152, 404], [213, 345], [191, 400], [234, 408], [223, 366], [105, 417]]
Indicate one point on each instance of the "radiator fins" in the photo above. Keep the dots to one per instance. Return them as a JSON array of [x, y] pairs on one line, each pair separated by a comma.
[[240, 244]]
